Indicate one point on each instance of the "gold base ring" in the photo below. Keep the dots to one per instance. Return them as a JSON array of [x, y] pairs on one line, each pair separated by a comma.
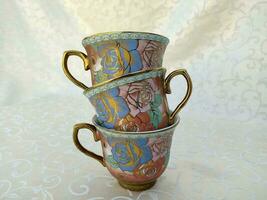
[[137, 187]]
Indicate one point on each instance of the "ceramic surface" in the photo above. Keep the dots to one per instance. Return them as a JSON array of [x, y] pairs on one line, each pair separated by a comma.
[[136, 103], [111, 55], [134, 159]]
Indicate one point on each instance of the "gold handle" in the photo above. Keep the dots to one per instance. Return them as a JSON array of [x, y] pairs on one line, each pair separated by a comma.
[[86, 64], [77, 143], [167, 90]]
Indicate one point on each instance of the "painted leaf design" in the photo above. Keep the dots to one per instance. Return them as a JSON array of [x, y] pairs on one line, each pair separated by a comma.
[[155, 116], [157, 101]]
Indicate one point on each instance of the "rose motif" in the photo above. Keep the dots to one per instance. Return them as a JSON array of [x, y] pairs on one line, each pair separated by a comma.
[[160, 147], [141, 122], [151, 169], [138, 95], [112, 61], [152, 54], [131, 153], [118, 58], [109, 107]]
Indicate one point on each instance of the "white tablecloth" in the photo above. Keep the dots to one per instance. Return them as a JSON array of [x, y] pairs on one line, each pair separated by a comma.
[[210, 158]]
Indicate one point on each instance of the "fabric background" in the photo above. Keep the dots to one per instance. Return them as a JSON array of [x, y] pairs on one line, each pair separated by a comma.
[[220, 149]]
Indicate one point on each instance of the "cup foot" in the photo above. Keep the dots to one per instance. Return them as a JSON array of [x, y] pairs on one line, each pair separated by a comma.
[[137, 187]]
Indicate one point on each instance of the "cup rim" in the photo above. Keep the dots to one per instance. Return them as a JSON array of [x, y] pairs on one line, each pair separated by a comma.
[[115, 133], [122, 80], [122, 35]]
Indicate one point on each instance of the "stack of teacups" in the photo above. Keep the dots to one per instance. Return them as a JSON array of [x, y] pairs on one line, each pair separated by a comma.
[[133, 120]]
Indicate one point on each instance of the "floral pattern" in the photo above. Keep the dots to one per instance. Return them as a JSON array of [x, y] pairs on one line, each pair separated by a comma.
[[160, 147], [140, 122], [118, 57], [136, 106], [151, 169], [129, 154], [152, 53], [143, 97], [138, 95], [139, 158], [109, 107]]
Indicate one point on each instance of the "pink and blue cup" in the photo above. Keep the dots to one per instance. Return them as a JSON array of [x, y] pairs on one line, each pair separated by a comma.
[[137, 102], [135, 160], [115, 54]]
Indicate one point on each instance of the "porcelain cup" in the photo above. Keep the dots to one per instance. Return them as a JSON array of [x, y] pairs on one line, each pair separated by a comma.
[[135, 160], [114, 54], [137, 102]]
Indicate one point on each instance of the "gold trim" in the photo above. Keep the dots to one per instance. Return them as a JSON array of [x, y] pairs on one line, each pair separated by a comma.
[[77, 143], [137, 186], [65, 67], [167, 90]]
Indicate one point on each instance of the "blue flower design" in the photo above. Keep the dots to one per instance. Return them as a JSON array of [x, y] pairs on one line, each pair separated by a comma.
[[119, 57], [130, 154], [109, 107]]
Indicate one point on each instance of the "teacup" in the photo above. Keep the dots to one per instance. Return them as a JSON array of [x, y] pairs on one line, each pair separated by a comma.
[[137, 102], [114, 54], [135, 160]]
